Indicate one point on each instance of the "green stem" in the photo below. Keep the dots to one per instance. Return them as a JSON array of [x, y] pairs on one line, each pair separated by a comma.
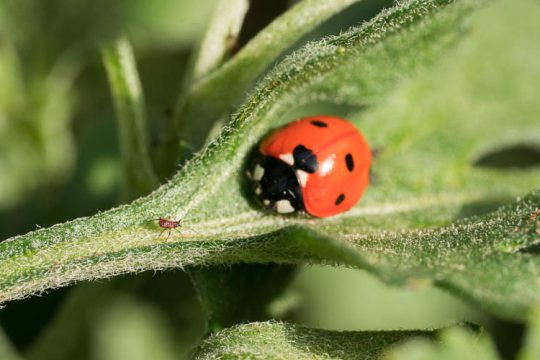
[[138, 175], [219, 38], [239, 293]]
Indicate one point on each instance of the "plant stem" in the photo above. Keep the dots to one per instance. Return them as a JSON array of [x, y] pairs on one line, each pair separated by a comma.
[[138, 175]]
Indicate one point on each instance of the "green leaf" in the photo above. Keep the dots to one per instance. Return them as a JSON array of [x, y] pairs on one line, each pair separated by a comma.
[[455, 343], [213, 97], [273, 340], [407, 229], [460, 344], [138, 175]]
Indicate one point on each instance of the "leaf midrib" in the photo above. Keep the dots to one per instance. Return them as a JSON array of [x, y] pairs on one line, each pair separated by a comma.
[[248, 224]]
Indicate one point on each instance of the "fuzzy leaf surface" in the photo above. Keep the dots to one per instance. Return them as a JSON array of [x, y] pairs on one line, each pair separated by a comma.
[[215, 95], [431, 107], [273, 340]]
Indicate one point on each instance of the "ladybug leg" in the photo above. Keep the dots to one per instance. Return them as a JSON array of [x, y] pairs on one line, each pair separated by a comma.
[[161, 233], [375, 152]]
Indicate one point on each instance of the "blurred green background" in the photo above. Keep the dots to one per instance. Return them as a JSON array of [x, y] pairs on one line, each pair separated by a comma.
[[59, 160]]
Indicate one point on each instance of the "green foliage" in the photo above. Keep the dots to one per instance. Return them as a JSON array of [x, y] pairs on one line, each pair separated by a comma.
[[274, 340], [212, 97], [36, 146], [44, 46], [439, 86], [7, 351], [133, 331], [531, 348], [126, 239], [454, 344], [458, 343]]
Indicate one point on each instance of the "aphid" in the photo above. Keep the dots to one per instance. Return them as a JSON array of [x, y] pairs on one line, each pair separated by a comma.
[[168, 225], [318, 164]]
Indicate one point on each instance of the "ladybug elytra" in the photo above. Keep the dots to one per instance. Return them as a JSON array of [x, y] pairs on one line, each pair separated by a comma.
[[319, 165]]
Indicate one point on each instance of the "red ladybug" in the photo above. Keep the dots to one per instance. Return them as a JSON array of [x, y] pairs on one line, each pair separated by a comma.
[[317, 164]]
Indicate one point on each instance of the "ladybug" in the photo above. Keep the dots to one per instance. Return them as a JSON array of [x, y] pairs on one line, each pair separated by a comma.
[[318, 165]]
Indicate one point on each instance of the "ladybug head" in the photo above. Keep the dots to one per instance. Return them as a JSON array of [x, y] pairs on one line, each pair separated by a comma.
[[276, 185]]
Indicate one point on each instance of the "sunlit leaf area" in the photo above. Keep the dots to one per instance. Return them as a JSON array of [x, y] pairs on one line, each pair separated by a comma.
[[129, 227]]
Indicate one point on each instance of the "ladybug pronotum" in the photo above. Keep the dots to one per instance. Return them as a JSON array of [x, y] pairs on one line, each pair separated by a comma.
[[318, 165]]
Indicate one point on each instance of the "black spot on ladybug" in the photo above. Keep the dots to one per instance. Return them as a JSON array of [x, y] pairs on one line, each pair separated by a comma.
[[319, 123], [340, 199], [304, 159], [350, 162]]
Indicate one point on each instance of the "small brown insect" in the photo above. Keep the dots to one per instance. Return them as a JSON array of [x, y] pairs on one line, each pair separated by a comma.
[[167, 224]]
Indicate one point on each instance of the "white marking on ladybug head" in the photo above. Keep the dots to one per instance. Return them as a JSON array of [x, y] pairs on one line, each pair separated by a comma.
[[284, 207], [266, 202], [288, 158], [258, 191], [302, 177], [258, 173]]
